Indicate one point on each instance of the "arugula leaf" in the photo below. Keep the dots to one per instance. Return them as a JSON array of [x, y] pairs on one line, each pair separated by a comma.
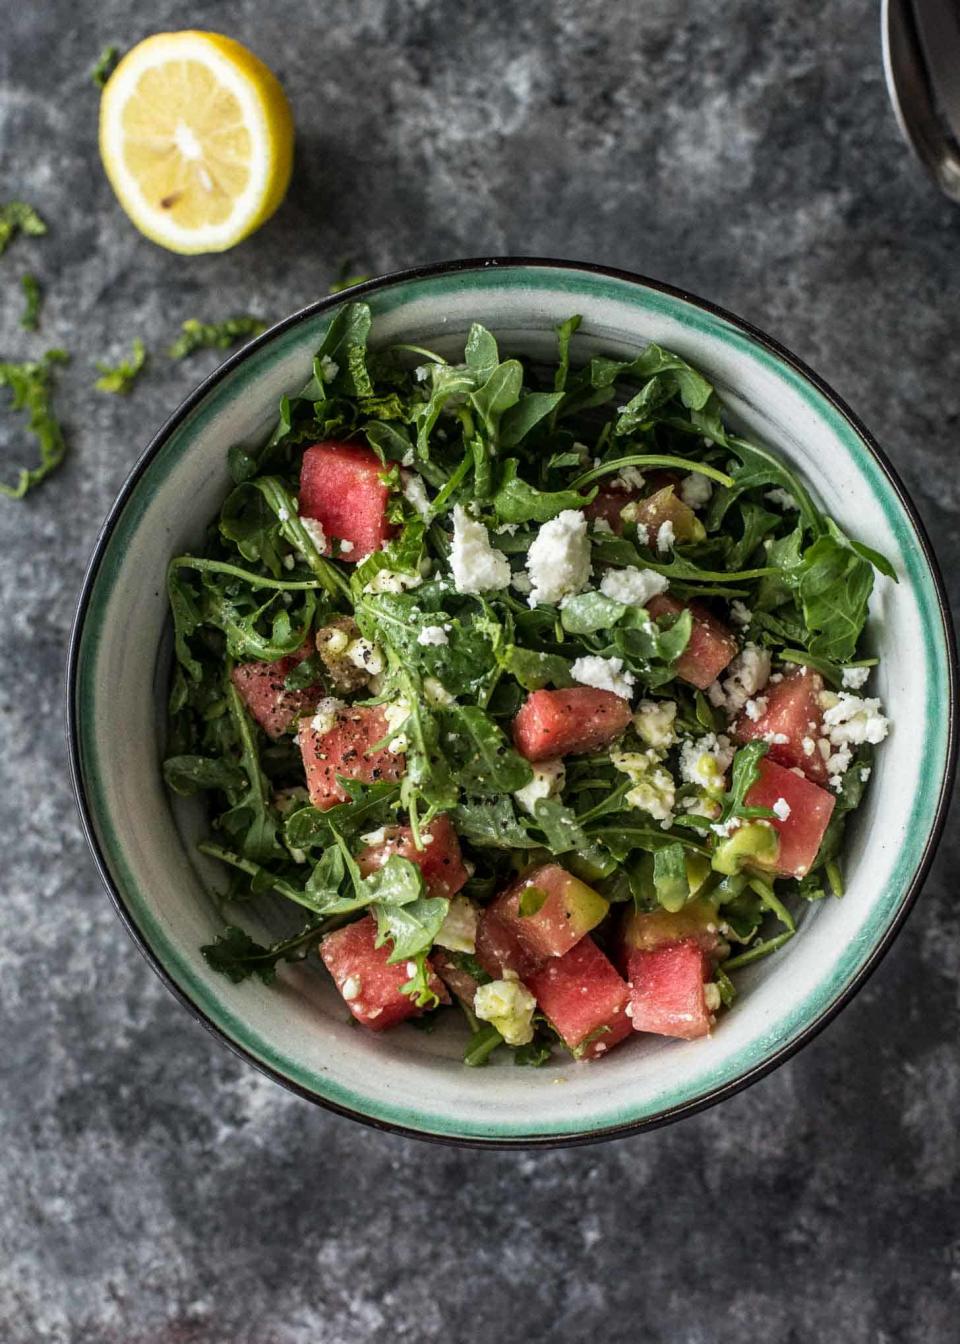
[[104, 66], [565, 331], [31, 385], [480, 354], [492, 824], [500, 391], [32, 298], [188, 775], [834, 584], [517, 502], [518, 420], [196, 335], [370, 806], [486, 763], [586, 613], [234, 954], [744, 774], [534, 670], [120, 378], [252, 822], [18, 217]]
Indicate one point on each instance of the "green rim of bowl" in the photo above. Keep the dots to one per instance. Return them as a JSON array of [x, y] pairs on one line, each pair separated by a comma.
[[842, 978]]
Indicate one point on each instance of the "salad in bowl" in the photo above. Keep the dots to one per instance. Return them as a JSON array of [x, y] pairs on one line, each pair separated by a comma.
[[532, 692]]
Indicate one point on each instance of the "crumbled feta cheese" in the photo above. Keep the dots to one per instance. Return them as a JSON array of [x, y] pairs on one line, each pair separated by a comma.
[[432, 634], [602, 526], [665, 537], [364, 655], [415, 493], [654, 722], [746, 675], [558, 560], [396, 714], [351, 987], [854, 720], [695, 490], [606, 674], [704, 761], [329, 368], [855, 677], [422, 372], [345, 546], [632, 587], [288, 561], [376, 837], [777, 740], [437, 694], [755, 709], [477, 567], [506, 529], [711, 997], [864, 774], [325, 715], [315, 532], [283, 514], [509, 1006], [628, 478], [781, 497], [809, 746], [653, 789], [781, 809], [391, 581], [522, 582], [725, 828], [407, 459], [547, 782], [740, 615], [458, 932]]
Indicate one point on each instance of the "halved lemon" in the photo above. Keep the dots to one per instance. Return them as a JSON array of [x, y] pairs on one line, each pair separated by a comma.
[[196, 137]]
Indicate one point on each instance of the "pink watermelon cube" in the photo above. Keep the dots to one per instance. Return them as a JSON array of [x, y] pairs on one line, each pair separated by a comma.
[[499, 949], [347, 749], [643, 930], [607, 504], [584, 998], [369, 986], [440, 860], [561, 723], [666, 988], [793, 711], [340, 487], [711, 648], [801, 830], [549, 910], [459, 981], [273, 707]]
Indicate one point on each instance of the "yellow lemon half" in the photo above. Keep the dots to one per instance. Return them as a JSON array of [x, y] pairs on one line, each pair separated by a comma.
[[196, 137]]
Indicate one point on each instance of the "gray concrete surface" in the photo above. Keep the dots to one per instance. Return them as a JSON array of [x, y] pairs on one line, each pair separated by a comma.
[[153, 1189]]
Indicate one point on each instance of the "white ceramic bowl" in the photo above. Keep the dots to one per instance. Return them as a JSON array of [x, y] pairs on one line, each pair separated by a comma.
[[297, 1031]]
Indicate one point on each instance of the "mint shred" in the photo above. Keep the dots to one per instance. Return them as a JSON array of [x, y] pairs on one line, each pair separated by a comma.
[[104, 66], [32, 300], [196, 335], [31, 386], [119, 378], [483, 456], [19, 217]]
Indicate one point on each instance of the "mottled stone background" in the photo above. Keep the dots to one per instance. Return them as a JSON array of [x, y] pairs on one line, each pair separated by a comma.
[[152, 1187]]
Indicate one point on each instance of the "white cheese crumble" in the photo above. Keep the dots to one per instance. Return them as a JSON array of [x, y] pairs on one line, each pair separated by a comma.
[[315, 532], [522, 582], [782, 498], [653, 789], [654, 722], [283, 514], [665, 537], [345, 546], [855, 677], [351, 987], [422, 372], [558, 561], [365, 655], [477, 567], [628, 478], [747, 674], [288, 561], [325, 715], [391, 581], [781, 809], [376, 837], [755, 709], [506, 529], [606, 674], [407, 459], [436, 694], [415, 493], [458, 932], [548, 779], [632, 587], [740, 614], [602, 526], [695, 490], [432, 634], [704, 761], [396, 714], [853, 720], [329, 368], [509, 1006], [809, 746], [777, 740]]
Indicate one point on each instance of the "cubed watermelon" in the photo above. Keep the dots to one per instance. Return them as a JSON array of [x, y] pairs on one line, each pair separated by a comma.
[[440, 860], [643, 930], [549, 910], [584, 998], [340, 487], [712, 646], [499, 948], [345, 749], [561, 723], [810, 810], [261, 685], [607, 504], [369, 986], [666, 989], [457, 979], [793, 712]]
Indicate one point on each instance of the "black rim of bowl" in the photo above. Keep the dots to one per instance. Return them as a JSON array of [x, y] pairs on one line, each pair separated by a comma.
[[668, 1114]]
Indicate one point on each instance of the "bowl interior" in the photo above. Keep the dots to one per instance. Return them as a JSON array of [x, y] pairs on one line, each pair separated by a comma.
[[299, 1028]]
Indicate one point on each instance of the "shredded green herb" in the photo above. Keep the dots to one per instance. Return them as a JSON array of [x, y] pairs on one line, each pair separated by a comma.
[[18, 217], [120, 378], [31, 385], [32, 299], [196, 335], [104, 66]]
